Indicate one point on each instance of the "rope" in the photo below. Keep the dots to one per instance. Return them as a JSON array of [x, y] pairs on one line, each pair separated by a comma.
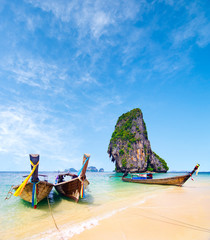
[[53, 217], [174, 222], [9, 192]]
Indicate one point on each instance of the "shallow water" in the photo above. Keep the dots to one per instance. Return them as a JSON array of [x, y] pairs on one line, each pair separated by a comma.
[[104, 197]]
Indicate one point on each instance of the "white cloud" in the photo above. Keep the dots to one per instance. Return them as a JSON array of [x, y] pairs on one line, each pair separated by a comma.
[[45, 76], [197, 27], [34, 72], [29, 128], [87, 79], [61, 9], [137, 41], [32, 21], [91, 17], [20, 126], [99, 22]]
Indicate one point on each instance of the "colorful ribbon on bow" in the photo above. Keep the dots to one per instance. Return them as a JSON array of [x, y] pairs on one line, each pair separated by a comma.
[[80, 171], [82, 193], [34, 195], [23, 184], [197, 169]]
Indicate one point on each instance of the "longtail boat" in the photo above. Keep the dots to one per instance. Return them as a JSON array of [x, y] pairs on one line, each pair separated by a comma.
[[33, 191], [76, 185], [176, 181]]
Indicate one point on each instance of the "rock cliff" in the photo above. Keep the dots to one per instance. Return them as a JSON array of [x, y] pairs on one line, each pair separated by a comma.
[[130, 148]]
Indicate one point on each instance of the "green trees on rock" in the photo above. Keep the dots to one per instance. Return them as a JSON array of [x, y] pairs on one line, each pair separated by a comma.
[[129, 146]]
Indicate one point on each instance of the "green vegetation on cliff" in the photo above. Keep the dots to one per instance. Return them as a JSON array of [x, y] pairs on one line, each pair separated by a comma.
[[145, 131], [123, 128], [130, 148], [133, 114], [149, 168], [124, 162], [162, 161]]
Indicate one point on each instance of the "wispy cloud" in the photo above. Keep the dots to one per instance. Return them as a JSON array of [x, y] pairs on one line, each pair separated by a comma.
[[87, 79], [28, 128], [99, 22], [196, 28], [91, 17], [32, 21], [152, 49], [68, 68], [33, 72]]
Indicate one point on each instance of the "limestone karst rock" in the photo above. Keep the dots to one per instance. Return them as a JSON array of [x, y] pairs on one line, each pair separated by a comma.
[[130, 148], [92, 169]]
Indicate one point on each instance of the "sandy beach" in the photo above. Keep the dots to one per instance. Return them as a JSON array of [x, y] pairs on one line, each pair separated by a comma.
[[114, 210], [177, 213], [113, 92]]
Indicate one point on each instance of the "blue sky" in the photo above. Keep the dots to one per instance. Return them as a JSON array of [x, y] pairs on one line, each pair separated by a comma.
[[69, 69]]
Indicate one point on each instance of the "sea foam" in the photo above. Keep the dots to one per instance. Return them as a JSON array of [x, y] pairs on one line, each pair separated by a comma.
[[68, 231]]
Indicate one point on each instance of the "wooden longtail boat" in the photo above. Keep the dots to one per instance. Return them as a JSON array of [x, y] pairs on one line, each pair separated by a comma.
[[176, 181], [35, 190], [73, 187]]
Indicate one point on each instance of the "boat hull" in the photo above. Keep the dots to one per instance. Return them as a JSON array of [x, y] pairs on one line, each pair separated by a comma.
[[176, 181], [71, 188], [43, 190]]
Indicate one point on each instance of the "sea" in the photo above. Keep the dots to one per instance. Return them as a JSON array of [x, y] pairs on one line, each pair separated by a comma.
[[62, 218]]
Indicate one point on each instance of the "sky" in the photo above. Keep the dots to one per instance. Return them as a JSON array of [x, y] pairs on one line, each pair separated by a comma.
[[70, 68]]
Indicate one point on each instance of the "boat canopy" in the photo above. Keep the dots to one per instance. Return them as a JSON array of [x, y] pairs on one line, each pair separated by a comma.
[[66, 174]]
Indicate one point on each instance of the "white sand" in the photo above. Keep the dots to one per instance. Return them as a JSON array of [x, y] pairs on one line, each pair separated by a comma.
[[178, 213]]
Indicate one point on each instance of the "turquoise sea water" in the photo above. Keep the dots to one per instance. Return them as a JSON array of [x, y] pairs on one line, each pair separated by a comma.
[[104, 196]]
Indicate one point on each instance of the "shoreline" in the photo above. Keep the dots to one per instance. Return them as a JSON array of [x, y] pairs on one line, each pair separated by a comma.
[[171, 214], [114, 209]]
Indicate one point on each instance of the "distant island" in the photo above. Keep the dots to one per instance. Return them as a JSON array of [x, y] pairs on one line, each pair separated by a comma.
[[94, 169], [89, 169], [70, 170], [130, 148]]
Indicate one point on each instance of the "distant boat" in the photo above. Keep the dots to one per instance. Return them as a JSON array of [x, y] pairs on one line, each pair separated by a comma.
[[35, 190], [147, 179], [75, 186]]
